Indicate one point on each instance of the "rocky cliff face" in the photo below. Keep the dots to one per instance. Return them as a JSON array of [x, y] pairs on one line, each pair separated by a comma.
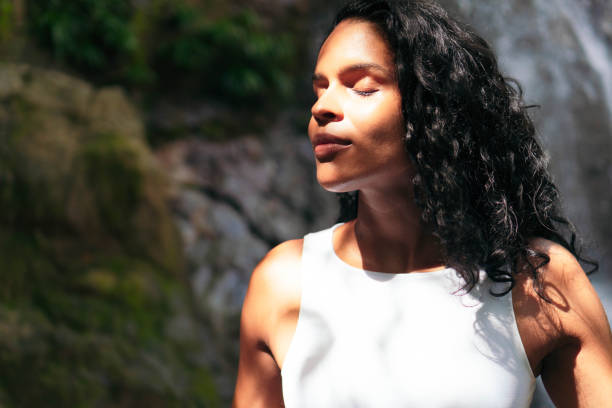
[[233, 201]]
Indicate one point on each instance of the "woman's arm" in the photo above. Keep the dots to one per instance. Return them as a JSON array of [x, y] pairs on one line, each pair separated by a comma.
[[259, 382], [578, 371], [270, 294]]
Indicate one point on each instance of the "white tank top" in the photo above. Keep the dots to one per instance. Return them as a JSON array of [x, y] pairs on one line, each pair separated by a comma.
[[372, 339]]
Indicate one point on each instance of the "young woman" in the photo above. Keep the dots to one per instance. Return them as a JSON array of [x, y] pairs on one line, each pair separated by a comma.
[[450, 283]]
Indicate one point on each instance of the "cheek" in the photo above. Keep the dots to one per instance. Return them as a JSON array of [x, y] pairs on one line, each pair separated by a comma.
[[365, 111], [382, 124]]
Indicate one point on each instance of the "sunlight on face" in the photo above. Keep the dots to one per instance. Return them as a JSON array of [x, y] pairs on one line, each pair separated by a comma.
[[357, 126]]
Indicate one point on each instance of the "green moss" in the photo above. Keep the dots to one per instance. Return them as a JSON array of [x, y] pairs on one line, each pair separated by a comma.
[[204, 388], [19, 109], [24, 266], [7, 19], [99, 280], [25, 195], [112, 168], [70, 345]]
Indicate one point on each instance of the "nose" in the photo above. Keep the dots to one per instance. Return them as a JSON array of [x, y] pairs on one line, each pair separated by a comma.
[[327, 108]]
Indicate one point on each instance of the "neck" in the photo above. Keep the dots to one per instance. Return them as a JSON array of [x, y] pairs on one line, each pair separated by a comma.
[[388, 234]]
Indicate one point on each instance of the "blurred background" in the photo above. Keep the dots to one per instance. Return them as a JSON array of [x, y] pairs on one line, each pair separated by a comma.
[[152, 151]]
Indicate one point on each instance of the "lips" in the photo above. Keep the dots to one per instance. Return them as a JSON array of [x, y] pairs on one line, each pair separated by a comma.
[[327, 146]]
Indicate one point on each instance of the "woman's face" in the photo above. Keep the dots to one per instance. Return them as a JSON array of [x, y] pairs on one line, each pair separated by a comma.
[[357, 127]]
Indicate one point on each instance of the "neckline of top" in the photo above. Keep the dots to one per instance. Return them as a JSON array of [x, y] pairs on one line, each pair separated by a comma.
[[381, 276]]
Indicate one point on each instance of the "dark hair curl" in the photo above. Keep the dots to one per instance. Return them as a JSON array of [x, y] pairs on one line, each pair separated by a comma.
[[481, 176]]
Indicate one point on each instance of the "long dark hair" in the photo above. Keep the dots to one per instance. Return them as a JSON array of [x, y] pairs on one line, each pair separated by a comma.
[[481, 176]]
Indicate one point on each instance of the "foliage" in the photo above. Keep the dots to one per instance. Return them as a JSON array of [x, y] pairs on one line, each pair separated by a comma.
[[229, 57], [91, 35], [6, 19], [167, 46]]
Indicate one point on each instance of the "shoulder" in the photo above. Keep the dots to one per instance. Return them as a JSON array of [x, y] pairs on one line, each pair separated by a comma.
[[562, 267], [563, 281], [558, 266], [278, 268], [569, 315], [569, 300], [559, 272], [274, 286], [272, 289], [288, 253], [569, 335]]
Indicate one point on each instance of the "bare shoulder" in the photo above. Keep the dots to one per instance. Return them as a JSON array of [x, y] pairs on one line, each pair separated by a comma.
[[567, 336], [274, 284], [562, 269], [282, 256], [278, 271], [273, 289], [571, 299], [560, 275]]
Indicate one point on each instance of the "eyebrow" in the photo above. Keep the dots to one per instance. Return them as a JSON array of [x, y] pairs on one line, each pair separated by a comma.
[[366, 66]]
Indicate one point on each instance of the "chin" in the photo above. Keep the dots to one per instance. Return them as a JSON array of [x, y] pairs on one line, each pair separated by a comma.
[[335, 185]]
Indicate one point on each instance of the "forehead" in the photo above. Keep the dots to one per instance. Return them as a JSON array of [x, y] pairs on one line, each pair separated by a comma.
[[354, 42]]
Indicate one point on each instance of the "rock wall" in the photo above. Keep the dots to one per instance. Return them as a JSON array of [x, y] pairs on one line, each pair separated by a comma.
[[233, 201]]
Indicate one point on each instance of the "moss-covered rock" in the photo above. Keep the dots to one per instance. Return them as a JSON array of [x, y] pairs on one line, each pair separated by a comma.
[[74, 160], [92, 265]]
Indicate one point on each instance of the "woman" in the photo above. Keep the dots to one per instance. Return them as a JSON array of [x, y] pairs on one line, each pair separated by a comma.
[[451, 282]]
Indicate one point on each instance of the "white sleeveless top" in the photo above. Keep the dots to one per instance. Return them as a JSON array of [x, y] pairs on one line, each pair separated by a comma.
[[372, 339]]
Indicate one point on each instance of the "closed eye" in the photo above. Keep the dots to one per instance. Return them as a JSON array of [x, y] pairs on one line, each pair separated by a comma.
[[363, 85], [364, 92]]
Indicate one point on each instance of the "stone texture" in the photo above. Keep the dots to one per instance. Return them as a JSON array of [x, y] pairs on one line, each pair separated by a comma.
[[233, 201]]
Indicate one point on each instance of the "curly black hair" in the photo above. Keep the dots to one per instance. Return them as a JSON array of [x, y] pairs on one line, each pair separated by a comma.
[[481, 176]]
